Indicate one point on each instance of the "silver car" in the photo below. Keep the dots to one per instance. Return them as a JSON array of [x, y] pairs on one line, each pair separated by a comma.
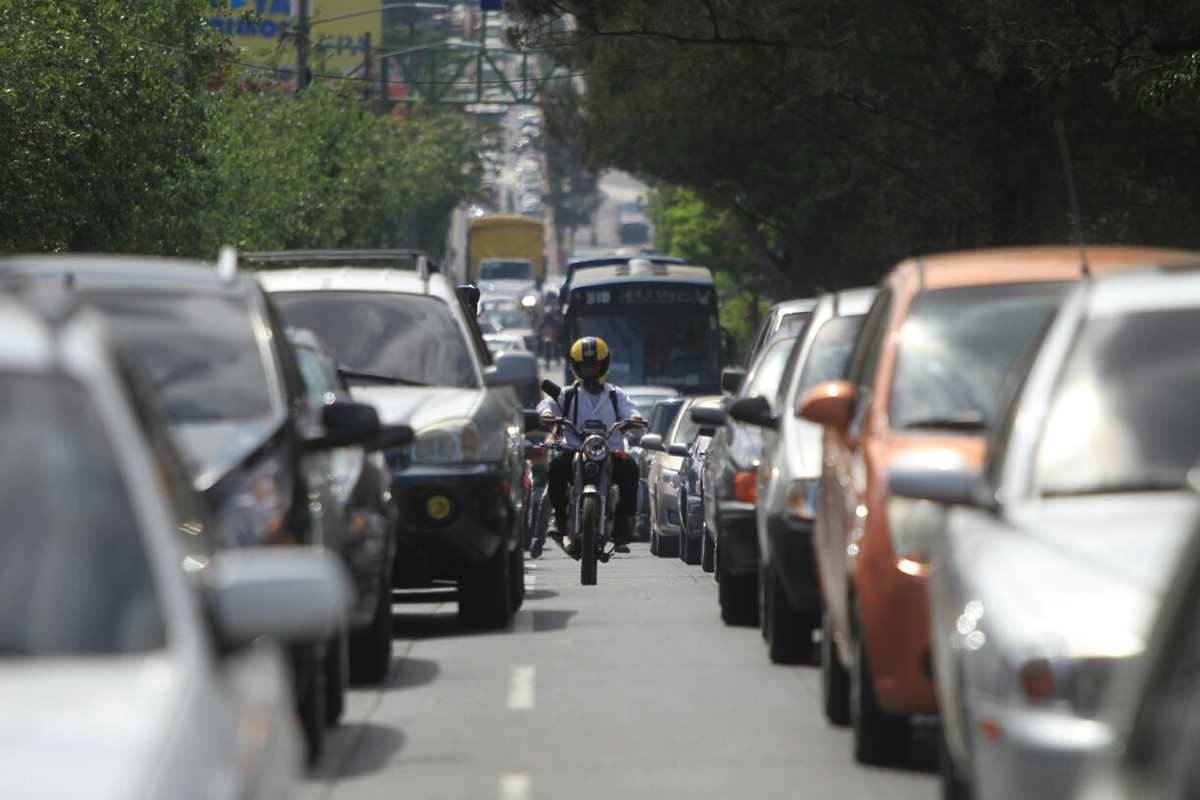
[[131, 654], [1048, 566]]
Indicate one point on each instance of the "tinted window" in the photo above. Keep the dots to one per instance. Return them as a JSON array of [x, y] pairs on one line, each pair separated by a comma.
[[408, 337], [830, 352], [200, 351], [768, 372], [74, 579], [1123, 415], [957, 349], [505, 271]]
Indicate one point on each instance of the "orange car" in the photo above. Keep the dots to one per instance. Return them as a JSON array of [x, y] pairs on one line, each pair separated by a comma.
[[931, 362]]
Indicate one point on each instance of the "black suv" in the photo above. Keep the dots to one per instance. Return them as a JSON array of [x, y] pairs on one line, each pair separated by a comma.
[[218, 356]]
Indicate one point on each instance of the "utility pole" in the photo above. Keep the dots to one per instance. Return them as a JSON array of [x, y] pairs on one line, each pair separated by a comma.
[[304, 74]]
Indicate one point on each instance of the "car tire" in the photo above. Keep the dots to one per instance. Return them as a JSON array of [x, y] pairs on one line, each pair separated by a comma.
[[738, 596], [789, 633], [707, 554], [668, 547], [484, 593], [516, 578], [337, 670], [311, 710], [880, 738], [835, 680], [371, 648]]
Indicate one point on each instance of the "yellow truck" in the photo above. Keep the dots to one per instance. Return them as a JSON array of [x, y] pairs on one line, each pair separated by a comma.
[[505, 247]]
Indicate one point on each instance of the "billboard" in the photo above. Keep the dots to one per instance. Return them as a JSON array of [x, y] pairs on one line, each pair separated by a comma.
[[265, 31]]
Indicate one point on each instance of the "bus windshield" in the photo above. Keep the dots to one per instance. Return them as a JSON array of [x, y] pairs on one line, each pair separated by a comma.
[[679, 349]]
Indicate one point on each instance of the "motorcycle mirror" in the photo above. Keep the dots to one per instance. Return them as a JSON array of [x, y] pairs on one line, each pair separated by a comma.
[[551, 388]]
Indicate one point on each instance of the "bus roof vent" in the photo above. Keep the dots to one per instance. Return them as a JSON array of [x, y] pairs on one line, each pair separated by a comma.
[[642, 266]]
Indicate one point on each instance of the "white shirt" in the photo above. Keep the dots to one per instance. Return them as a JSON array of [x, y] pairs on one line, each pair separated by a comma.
[[588, 406]]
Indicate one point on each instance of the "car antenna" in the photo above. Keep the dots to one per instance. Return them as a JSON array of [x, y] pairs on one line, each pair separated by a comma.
[[1072, 196]]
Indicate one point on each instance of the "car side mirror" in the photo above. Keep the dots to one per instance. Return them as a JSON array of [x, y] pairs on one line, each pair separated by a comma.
[[709, 432], [390, 437], [652, 441], [511, 369], [732, 378], [678, 450], [347, 423], [754, 411], [532, 420], [923, 484], [829, 403], [708, 415]]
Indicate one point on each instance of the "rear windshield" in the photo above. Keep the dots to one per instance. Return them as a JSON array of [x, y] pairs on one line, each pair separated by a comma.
[[74, 578], [200, 350], [957, 348], [768, 371], [1123, 415], [407, 337], [505, 271]]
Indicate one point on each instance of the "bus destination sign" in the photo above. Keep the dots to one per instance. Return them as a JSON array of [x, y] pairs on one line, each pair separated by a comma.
[[649, 295]]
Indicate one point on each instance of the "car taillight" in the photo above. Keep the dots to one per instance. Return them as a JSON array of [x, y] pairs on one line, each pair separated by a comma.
[[745, 486]]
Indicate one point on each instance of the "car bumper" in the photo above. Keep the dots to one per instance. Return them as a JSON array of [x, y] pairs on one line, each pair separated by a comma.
[[1029, 753], [737, 538], [452, 517], [790, 541]]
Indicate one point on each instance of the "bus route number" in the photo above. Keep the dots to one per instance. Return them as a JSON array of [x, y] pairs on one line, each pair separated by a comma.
[[598, 298]]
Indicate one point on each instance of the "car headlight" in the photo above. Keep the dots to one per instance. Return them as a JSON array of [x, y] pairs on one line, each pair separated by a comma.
[[801, 498], [595, 448], [255, 511], [452, 441]]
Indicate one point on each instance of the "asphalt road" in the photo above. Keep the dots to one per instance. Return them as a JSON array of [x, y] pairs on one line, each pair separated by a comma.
[[629, 689]]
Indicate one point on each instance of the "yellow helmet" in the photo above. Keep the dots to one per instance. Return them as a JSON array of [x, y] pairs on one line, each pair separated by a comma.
[[589, 350]]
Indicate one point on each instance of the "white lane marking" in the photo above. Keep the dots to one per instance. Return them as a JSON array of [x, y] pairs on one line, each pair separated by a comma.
[[530, 581], [520, 688], [515, 786], [522, 622]]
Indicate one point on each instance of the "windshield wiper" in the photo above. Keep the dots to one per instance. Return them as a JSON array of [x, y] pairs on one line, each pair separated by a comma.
[[356, 375], [958, 421]]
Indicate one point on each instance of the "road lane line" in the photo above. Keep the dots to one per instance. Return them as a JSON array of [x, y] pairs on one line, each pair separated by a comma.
[[520, 688], [530, 581], [515, 786]]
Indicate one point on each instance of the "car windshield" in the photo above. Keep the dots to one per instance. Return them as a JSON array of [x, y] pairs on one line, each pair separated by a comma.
[[504, 318], [830, 352], [74, 578], [405, 337], [505, 271], [200, 350], [1123, 413], [768, 372], [957, 348], [791, 324], [662, 416], [685, 428]]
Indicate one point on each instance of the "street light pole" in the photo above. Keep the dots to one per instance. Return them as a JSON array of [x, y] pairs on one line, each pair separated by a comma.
[[302, 25]]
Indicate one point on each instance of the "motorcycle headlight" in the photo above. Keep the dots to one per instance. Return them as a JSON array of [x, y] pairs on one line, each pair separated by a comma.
[[254, 512], [595, 448], [801, 498], [452, 441]]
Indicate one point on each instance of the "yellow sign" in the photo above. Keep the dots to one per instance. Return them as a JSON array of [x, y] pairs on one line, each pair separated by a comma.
[[437, 507], [340, 30]]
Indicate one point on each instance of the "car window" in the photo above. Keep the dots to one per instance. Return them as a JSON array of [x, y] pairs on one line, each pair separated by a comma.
[[684, 429], [1123, 413], [320, 390], [865, 357], [505, 271], [74, 577], [411, 338], [200, 351], [830, 352], [958, 348], [662, 417], [792, 323], [504, 318], [768, 370]]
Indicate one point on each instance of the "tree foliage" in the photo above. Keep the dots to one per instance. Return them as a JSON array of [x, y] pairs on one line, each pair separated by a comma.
[[841, 136]]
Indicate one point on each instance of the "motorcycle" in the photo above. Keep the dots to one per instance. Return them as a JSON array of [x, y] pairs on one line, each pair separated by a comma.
[[593, 494]]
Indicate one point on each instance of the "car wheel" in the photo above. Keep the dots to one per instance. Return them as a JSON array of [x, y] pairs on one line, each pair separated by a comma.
[[668, 546], [835, 681], [337, 663], [371, 649], [311, 708], [516, 577], [789, 632], [707, 560], [654, 541], [879, 737], [484, 593], [738, 595]]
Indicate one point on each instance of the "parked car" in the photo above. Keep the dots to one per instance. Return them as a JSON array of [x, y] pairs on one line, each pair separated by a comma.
[[786, 318], [139, 661], [1051, 560], [658, 423], [691, 497], [731, 483], [218, 356], [789, 475], [357, 498], [405, 343], [936, 349], [662, 475]]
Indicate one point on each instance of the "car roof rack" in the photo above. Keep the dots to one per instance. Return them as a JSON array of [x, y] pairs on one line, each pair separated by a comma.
[[227, 264], [392, 258]]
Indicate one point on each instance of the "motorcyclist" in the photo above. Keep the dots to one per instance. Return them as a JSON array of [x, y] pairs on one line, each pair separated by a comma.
[[591, 398]]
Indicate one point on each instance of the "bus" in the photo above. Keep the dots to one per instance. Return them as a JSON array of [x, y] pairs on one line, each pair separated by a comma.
[[633, 226], [513, 247], [660, 322]]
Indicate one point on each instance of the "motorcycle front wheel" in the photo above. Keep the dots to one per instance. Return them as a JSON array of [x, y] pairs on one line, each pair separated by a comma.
[[589, 534]]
